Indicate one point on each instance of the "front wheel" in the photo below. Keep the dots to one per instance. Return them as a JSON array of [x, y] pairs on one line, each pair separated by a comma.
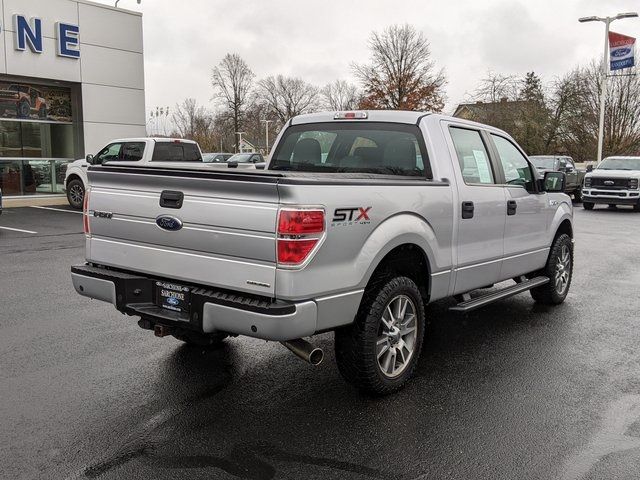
[[577, 195], [75, 193], [379, 352], [559, 269], [588, 205]]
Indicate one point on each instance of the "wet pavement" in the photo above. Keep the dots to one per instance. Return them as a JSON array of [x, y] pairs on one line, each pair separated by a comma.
[[512, 391]]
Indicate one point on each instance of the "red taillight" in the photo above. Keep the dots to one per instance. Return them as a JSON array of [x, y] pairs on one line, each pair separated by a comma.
[[299, 231], [300, 222], [85, 213], [293, 252]]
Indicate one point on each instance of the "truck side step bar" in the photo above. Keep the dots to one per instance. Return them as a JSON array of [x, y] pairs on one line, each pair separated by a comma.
[[481, 301]]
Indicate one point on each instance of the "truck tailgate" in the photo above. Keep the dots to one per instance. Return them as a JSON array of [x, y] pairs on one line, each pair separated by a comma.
[[227, 239]]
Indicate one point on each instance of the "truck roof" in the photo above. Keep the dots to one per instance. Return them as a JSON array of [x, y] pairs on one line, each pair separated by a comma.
[[155, 139], [390, 116]]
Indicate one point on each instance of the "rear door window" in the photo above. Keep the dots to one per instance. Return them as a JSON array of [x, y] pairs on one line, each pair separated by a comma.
[[133, 151], [472, 156]]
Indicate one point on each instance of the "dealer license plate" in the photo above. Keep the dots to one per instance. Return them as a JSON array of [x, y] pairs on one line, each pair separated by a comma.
[[172, 297]]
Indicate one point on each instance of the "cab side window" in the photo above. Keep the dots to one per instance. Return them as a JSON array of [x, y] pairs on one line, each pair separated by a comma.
[[472, 156], [517, 171], [109, 153], [132, 152]]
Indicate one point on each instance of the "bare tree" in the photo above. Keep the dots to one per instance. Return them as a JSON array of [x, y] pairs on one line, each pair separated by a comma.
[[340, 95], [232, 80], [496, 87], [287, 97], [401, 74], [193, 122]]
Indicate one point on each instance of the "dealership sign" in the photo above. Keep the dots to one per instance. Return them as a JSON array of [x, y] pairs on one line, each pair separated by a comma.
[[27, 34], [621, 50]]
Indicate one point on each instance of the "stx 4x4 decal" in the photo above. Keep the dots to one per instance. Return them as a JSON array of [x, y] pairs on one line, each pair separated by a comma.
[[350, 216]]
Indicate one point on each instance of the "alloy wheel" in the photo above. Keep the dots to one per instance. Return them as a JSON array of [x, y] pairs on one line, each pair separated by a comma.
[[397, 336]]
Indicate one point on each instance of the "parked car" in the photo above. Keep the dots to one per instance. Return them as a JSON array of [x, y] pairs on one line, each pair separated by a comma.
[[141, 150], [562, 163], [613, 182], [216, 157], [24, 100], [361, 219], [242, 158]]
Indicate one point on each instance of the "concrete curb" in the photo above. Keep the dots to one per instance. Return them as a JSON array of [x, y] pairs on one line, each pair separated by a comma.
[[34, 201]]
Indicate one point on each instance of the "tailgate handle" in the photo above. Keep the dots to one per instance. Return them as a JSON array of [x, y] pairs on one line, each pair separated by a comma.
[[171, 199]]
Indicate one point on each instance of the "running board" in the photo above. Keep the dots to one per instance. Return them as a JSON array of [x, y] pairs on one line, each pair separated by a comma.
[[483, 300]]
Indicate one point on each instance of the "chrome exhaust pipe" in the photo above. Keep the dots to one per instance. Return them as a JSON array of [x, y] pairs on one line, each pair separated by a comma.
[[305, 351]]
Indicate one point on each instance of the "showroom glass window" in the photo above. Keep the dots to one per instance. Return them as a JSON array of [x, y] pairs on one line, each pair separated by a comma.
[[37, 137]]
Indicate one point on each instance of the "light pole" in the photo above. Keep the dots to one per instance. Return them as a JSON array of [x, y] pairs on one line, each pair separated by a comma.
[[605, 69], [266, 135], [240, 140]]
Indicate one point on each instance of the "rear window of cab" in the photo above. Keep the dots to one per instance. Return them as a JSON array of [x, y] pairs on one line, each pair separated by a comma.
[[358, 147]]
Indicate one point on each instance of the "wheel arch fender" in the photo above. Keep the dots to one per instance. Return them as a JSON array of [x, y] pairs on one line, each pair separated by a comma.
[[562, 222], [397, 231]]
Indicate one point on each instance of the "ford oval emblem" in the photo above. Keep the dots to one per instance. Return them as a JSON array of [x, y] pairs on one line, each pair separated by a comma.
[[167, 222], [173, 301], [621, 52]]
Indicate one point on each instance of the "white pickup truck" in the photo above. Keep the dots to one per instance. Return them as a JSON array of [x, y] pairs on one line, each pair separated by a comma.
[[615, 181], [140, 150], [360, 220]]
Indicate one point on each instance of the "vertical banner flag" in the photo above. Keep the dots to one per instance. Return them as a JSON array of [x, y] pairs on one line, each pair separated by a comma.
[[621, 49]]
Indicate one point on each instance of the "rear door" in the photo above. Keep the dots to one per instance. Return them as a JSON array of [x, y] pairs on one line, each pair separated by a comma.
[[481, 211], [528, 211]]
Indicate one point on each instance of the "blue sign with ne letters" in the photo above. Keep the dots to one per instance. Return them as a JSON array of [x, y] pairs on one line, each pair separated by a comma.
[[27, 34]]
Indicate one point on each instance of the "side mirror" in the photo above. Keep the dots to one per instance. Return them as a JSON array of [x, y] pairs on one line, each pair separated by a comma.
[[232, 164], [554, 182], [589, 168], [89, 159]]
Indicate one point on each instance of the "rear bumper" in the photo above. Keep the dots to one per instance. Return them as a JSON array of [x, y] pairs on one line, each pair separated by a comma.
[[210, 310]]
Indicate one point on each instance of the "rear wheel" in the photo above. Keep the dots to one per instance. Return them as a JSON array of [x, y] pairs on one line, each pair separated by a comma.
[[75, 193], [588, 205], [379, 352], [559, 269], [201, 339]]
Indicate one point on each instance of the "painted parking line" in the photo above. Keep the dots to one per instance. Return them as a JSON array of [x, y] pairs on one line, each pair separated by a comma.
[[57, 209], [18, 230]]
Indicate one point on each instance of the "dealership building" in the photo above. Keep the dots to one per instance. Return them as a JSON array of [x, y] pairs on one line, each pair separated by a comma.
[[71, 79]]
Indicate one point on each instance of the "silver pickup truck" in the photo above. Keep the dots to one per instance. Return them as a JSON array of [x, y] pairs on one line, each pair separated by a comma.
[[360, 220]]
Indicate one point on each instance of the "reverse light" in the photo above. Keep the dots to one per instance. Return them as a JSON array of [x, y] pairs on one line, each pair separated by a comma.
[[350, 115], [85, 213], [299, 231]]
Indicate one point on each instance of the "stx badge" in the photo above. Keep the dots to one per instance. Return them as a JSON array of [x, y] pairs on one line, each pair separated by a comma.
[[350, 216]]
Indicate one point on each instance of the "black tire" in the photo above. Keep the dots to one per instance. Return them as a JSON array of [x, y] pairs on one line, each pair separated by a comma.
[[588, 205], [357, 345], [23, 110], [577, 195], [636, 207], [194, 339], [42, 113], [75, 193], [551, 293]]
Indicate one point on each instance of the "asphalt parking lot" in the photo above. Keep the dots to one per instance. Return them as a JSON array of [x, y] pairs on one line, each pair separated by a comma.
[[512, 391]]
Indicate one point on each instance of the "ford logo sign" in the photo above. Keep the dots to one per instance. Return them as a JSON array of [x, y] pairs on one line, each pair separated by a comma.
[[167, 222], [173, 301], [620, 52]]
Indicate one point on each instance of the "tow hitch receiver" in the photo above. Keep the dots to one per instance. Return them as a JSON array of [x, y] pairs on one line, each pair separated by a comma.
[[161, 331]]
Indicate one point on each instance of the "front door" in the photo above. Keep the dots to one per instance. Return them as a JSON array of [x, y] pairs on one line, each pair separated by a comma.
[[481, 212], [528, 212]]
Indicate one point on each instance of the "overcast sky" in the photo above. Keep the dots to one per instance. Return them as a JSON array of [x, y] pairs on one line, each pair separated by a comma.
[[319, 39]]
